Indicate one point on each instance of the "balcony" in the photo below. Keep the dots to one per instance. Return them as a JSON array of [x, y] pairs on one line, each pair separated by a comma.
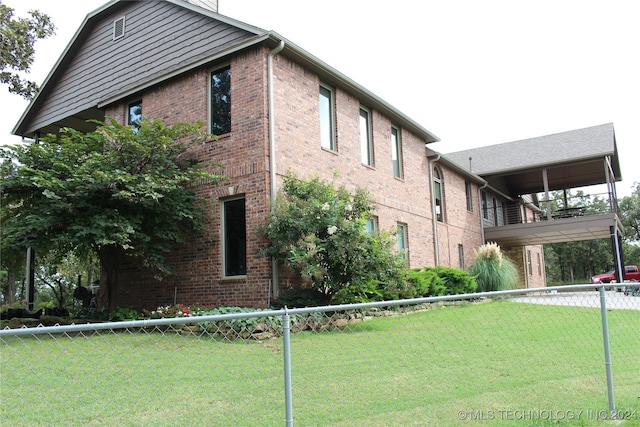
[[558, 219]]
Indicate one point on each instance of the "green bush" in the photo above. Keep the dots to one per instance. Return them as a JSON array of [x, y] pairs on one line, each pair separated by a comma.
[[436, 281], [493, 270], [320, 233], [300, 298]]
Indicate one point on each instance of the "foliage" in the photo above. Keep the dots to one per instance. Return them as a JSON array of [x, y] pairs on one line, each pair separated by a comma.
[[575, 262], [113, 192], [298, 298], [242, 324], [630, 214], [119, 314], [492, 269], [436, 281], [17, 39], [320, 233], [177, 310]]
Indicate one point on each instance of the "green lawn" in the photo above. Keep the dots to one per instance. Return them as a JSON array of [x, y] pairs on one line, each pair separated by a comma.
[[499, 363]]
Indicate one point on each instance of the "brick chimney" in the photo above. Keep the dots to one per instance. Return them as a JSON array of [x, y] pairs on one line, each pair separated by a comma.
[[207, 4]]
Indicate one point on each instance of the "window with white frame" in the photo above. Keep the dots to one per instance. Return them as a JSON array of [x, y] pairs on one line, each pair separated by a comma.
[[366, 148], [401, 237], [438, 191], [396, 152], [327, 136], [234, 237]]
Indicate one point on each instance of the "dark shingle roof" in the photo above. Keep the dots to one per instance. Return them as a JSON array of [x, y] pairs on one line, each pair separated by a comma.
[[542, 151]]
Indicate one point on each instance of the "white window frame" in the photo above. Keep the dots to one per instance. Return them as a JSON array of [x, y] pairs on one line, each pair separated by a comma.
[[366, 141], [327, 141]]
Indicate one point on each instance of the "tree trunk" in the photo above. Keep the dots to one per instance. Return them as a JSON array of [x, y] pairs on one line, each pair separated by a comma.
[[109, 265]]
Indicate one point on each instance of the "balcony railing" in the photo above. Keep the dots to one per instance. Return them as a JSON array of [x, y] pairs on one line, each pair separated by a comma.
[[508, 213]]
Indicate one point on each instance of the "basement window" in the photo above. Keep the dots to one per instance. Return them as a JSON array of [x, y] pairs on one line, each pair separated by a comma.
[[118, 28]]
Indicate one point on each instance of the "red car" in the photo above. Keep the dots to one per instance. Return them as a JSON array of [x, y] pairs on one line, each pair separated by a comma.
[[631, 272]]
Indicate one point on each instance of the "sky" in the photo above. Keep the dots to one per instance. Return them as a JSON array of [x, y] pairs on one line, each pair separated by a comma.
[[474, 73]]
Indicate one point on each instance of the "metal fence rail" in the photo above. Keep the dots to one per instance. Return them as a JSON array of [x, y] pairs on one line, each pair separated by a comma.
[[549, 354]]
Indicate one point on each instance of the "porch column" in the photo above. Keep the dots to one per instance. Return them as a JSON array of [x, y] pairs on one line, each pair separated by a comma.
[[545, 181]]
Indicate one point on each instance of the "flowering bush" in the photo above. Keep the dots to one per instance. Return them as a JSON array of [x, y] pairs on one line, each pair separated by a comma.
[[178, 310], [320, 232]]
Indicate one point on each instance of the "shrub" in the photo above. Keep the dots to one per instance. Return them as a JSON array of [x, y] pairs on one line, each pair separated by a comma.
[[493, 270], [300, 298], [123, 313], [320, 233], [436, 281]]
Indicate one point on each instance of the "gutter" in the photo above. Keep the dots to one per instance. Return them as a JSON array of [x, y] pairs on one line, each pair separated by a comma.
[[272, 157]]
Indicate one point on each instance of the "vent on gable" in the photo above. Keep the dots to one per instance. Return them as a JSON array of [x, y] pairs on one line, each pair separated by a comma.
[[118, 28]]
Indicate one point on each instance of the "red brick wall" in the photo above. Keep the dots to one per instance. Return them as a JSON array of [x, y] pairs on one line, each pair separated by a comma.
[[244, 154]]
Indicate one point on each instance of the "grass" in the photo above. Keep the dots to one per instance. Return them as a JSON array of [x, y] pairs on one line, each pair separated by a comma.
[[494, 362]]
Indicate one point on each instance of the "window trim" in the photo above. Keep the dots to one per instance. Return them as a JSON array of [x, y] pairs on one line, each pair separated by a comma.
[[438, 182], [396, 148], [212, 71], [403, 230], [469, 195], [129, 121], [119, 26], [332, 129], [366, 140], [223, 234]]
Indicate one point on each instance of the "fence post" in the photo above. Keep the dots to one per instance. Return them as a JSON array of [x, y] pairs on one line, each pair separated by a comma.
[[607, 350], [286, 338]]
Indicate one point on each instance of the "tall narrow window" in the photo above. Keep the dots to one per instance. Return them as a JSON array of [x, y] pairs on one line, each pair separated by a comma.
[[134, 114], [327, 139], [401, 237], [468, 189], [220, 101], [461, 256], [438, 190], [234, 230], [366, 150], [372, 224], [396, 152], [539, 264], [485, 207], [529, 266]]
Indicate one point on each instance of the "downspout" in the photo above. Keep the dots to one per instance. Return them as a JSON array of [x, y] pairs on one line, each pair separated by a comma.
[[434, 218], [272, 157], [481, 211]]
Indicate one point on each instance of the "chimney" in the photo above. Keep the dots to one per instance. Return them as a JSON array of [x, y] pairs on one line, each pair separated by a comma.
[[211, 5]]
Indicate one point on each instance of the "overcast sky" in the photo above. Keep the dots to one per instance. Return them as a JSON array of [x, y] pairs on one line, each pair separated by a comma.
[[473, 72]]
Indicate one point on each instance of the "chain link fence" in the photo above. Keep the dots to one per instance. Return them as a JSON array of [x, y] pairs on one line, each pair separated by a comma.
[[544, 356]]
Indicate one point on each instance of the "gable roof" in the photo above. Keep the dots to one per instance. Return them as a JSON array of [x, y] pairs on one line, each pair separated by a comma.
[[572, 159], [163, 39]]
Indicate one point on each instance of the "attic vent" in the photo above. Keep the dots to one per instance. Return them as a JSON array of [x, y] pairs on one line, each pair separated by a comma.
[[118, 28]]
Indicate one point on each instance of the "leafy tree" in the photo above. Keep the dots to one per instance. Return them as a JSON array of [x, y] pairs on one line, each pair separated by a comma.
[[630, 214], [17, 39], [115, 192], [320, 233]]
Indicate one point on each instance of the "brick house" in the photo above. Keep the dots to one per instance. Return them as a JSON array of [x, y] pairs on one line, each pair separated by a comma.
[[181, 61]]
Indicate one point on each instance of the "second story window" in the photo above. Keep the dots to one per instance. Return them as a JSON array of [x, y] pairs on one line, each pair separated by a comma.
[[485, 208], [220, 107], [366, 149], [134, 114], [327, 139], [396, 152], [438, 191], [469, 194]]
